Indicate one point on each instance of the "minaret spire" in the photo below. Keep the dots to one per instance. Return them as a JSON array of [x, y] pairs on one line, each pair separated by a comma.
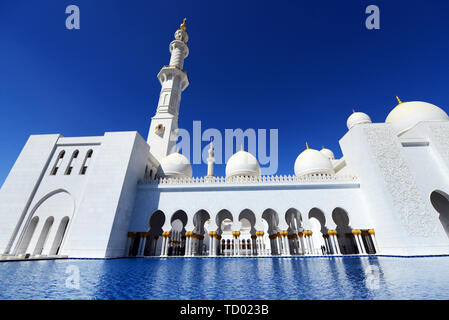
[[210, 160], [173, 79]]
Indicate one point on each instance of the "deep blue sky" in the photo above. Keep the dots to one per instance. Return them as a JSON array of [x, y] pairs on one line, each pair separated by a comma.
[[299, 66]]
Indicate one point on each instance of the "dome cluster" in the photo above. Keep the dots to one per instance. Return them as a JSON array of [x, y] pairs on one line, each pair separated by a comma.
[[175, 165], [402, 118], [312, 161], [242, 164], [406, 115], [357, 118]]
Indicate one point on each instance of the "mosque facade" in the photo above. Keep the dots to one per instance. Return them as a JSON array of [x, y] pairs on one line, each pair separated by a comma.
[[119, 195]]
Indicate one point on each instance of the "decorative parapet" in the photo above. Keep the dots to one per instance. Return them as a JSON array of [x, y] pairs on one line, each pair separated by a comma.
[[250, 180]]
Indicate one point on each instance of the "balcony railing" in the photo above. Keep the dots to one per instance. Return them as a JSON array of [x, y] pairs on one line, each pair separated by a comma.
[[250, 180]]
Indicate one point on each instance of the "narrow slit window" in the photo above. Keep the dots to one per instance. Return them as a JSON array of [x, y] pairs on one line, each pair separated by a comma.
[[86, 162], [57, 163], [72, 162]]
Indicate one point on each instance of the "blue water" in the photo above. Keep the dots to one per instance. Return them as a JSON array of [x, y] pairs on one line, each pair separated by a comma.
[[228, 278]]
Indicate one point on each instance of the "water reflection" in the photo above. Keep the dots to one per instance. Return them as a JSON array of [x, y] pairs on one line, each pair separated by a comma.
[[230, 278]]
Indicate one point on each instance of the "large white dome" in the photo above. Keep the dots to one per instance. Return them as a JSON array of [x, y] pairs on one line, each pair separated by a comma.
[[328, 153], [176, 165], [357, 118], [242, 163], [312, 161], [407, 114]]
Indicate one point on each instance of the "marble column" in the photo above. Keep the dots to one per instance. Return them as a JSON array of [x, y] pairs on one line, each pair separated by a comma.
[[301, 243], [333, 236], [129, 242], [188, 243], [356, 234], [373, 237], [312, 245], [284, 240], [144, 242]]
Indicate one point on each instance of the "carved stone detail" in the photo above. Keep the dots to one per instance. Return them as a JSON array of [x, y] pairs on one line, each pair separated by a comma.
[[408, 201], [440, 133]]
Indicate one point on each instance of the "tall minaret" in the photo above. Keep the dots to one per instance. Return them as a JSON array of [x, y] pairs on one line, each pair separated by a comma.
[[210, 160], [163, 135]]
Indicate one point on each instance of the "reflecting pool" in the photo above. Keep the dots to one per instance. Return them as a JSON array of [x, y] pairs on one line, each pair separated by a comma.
[[228, 278]]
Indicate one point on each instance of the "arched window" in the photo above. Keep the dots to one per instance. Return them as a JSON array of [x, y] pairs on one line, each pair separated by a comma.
[[60, 233], [28, 235], [72, 162], [86, 161], [43, 236], [440, 202], [57, 163]]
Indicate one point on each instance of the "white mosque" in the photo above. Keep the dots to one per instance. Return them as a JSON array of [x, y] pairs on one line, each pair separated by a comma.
[[118, 195]]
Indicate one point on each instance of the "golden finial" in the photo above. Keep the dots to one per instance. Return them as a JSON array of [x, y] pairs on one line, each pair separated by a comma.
[[177, 151], [353, 111], [307, 146], [183, 26], [399, 100], [241, 147]]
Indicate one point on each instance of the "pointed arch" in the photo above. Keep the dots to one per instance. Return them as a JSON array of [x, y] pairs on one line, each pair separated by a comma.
[[155, 224], [57, 204], [251, 217], [293, 218], [221, 216], [346, 240], [272, 217]]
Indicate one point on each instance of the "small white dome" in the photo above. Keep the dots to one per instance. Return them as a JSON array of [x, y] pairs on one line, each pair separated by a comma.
[[328, 153], [242, 163], [312, 161], [357, 118], [176, 165], [407, 114]]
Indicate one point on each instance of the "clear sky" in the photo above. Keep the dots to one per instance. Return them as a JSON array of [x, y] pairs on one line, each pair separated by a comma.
[[297, 66]]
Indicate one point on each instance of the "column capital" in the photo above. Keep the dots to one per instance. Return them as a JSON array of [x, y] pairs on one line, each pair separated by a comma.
[[356, 232]]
